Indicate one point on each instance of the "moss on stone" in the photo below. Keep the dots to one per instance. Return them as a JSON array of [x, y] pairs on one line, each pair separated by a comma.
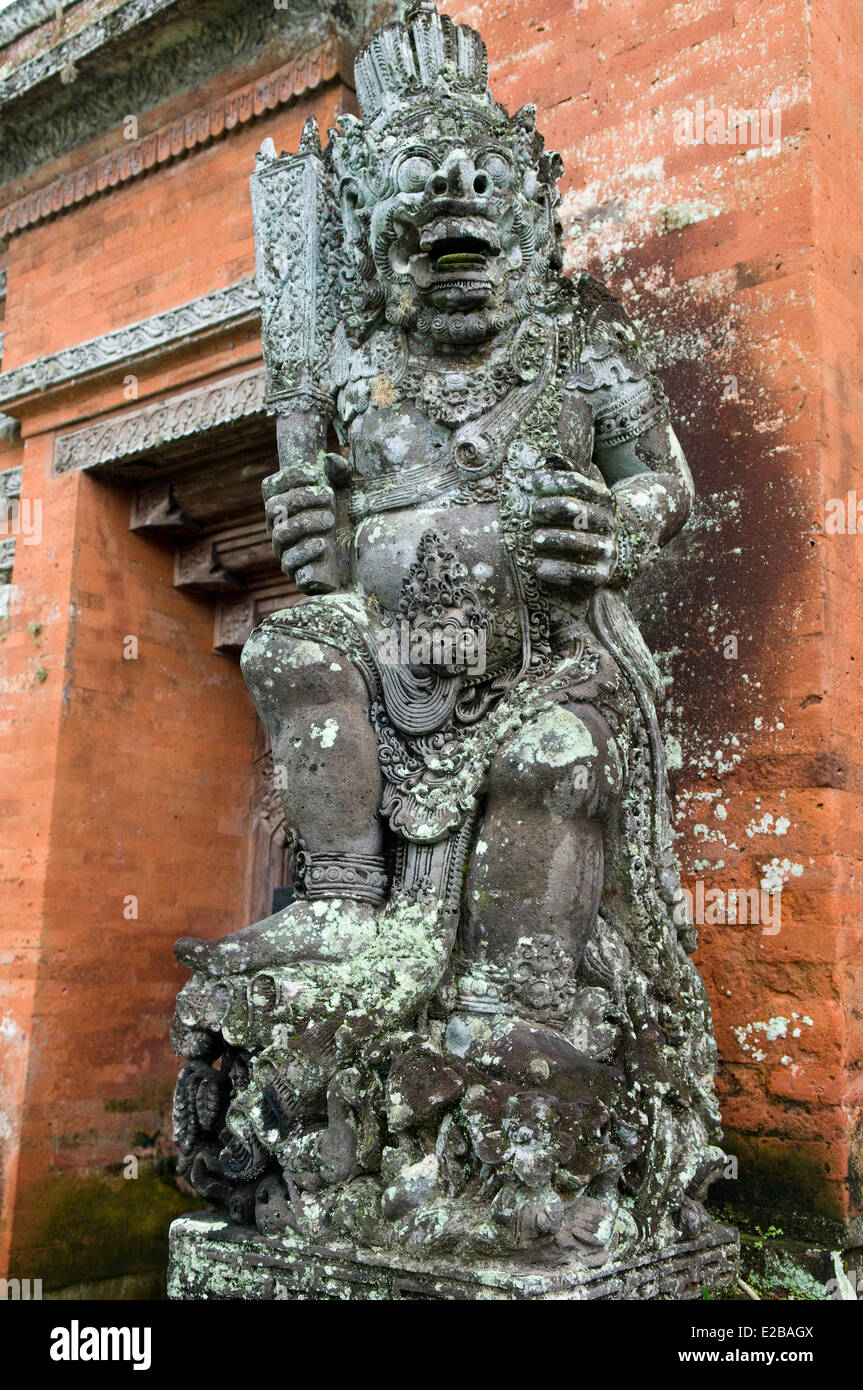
[[95, 1228]]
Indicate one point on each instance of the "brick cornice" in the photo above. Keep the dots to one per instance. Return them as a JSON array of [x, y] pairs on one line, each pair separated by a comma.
[[172, 141]]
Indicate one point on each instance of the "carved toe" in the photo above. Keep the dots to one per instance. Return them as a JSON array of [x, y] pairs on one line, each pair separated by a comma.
[[190, 950]]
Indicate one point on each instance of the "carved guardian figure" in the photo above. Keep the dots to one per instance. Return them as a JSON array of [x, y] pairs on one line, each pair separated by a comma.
[[477, 1029]]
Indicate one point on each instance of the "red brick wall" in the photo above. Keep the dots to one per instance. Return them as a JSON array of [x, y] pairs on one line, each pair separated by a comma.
[[837, 146], [121, 777], [145, 797]]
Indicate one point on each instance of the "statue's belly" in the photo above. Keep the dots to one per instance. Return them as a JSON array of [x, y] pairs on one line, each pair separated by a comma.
[[386, 547]]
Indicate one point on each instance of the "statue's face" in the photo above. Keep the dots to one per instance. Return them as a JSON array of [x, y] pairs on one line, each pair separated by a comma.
[[449, 227], [453, 218]]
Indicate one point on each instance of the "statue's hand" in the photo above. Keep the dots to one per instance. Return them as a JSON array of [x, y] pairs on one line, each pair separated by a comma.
[[300, 507], [575, 529]]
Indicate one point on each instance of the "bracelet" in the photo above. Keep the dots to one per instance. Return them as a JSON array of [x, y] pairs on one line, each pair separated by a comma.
[[636, 548]]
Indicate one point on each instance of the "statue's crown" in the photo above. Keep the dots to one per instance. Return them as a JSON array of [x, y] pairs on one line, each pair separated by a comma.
[[423, 57]]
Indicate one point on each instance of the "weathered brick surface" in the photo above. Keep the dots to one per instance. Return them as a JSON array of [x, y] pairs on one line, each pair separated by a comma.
[[131, 777]]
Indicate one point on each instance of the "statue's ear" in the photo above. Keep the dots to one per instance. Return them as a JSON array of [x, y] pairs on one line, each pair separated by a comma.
[[349, 198], [525, 116], [550, 166]]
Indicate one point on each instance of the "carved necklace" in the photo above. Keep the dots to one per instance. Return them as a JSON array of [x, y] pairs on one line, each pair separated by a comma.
[[452, 397]]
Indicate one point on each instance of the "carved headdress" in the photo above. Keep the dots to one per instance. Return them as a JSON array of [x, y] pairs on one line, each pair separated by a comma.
[[419, 61], [422, 85], [428, 64]]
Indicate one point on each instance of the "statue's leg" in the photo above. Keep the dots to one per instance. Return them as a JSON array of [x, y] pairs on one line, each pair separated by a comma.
[[536, 877], [538, 865], [314, 703]]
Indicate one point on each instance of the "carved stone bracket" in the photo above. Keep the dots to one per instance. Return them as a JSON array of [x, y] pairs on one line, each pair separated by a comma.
[[198, 569], [7, 556], [232, 563], [10, 483], [155, 509], [10, 491], [234, 622], [236, 619]]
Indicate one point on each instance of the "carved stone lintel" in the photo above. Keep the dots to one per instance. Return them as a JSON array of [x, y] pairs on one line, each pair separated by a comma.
[[125, 437]]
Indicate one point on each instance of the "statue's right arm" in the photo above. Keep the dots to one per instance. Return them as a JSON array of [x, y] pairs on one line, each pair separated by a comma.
[[301, 508], [300, 505]]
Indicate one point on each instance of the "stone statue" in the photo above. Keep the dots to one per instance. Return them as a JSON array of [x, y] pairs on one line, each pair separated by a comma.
[[477, 1029]]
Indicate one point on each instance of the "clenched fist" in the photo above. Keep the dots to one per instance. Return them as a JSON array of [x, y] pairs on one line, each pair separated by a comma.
[[300, 507], [575, 529]]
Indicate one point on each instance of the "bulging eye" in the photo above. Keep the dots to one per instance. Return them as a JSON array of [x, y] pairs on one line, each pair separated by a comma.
[[497, 167], [414, 173]]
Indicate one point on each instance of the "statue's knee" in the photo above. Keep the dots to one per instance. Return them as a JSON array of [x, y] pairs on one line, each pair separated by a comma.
[[282, 670], [568, 760]]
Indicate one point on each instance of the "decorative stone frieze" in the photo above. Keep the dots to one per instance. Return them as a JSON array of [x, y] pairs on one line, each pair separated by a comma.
[[123, 437], [174, 140], [123, 347]]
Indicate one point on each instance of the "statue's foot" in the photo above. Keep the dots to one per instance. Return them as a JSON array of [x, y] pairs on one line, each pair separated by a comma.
[[326, 929], [597, 1228]]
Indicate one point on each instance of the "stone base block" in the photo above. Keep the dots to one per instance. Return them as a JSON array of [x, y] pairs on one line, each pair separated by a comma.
[[211, 1259]]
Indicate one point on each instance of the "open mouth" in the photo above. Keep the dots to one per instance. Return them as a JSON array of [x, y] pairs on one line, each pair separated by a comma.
[[458, 253], [459, 245]]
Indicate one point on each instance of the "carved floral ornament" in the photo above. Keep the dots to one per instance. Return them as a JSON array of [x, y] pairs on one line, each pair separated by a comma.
[[178, 417], [234, 305]]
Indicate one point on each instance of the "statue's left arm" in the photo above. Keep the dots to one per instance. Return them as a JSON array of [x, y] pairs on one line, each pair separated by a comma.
[[637, 450], [585, 536]]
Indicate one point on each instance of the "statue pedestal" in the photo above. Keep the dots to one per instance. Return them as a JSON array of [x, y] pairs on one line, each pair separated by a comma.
[[211, 1259]]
